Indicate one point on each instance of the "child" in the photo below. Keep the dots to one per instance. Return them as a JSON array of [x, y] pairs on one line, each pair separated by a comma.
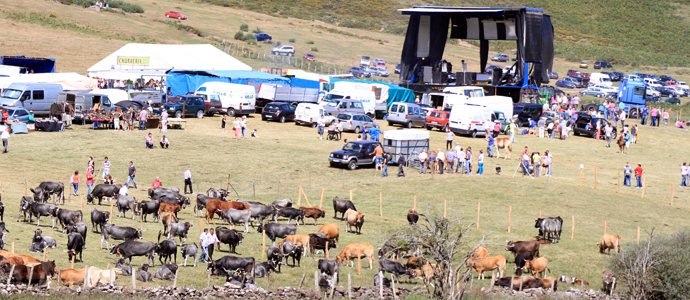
[[255, 133]]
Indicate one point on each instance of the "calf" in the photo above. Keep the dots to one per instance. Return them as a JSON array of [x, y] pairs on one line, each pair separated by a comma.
[[75, 245], [289, 213], [233, 216], [119, 233], [143, 273], [123, 267], [312, 212], [229, 264], [484, 264], [291, 250], [275, 230], [79, 228], [125, 203], [354, 218], [189, 250], [341, 206], [215, 206], [70, 277], [320, 243], [299, 239], [273, 254], [167, 219], [48, 242], [179, 230], [608, 279], [165, 250], [230, 237], [166, 272], [287, 202], [98, 219], [259, 210], [263, 269], [103, 190], [25, 207], [331, 231], [412, 217], [521, 260], [377, 281], [356, 251], [128, 249], [527, 282], [523, 246], [608, 242], [392, 267], [537, 266], [172, 208], [68, 217], [149, 208]]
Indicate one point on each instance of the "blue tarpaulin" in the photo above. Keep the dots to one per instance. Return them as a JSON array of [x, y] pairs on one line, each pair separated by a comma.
[[28, 64], [395, 93], [182, 81], [304, 83]]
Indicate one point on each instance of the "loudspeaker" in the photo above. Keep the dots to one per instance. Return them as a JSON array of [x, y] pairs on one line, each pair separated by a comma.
[[437, 77], [496, 76], [465, 78], [483, 78], [427, 75]]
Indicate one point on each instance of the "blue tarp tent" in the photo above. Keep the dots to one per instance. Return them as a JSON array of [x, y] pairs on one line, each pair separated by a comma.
[[395, 93], [28, 64], [182, 81], [304, 83]]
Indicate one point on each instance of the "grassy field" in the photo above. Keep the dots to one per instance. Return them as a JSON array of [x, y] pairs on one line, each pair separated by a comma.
[[294, 156]]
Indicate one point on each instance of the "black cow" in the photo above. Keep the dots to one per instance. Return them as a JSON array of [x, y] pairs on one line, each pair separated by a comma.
[[189, 250], [201, 200], [520, 260], [166, 272], [125, 203], [124, 268], [119, 233], [273, 254], [229, 264], [103, 190], [377, 281], [98, 219], [259, 211], [317, 242], [2, 210], [263, 269], [75, 245], [80, 228], [135, 248], [179, 230], [37, 247], [67, 217], [287, 202], [46, 189], [39, 210], [275, 230], [292, 250], [149, 208], [171, 197], [330, 268], [217, 193], [230, 237], [47, 242], [393, 267], [166, 249], [155, 193], [25, 207], [289, 213], [143, 273], [341, 206]]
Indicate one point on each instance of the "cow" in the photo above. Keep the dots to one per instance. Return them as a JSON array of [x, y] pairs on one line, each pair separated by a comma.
[[149, 208], [412, 217], [377, 281], [47, 189], [215, 206], [608, 279], [479, 252], [341, 206], [39, 210], [166, 272], [121, 265], [354, 251], [166, 249], [521, 261], [143, 273], [299, 239], [189, 250], [549, 228], [259, 210], [227, 265], [80, 228], [179, 230], [577, 281], [2, 210], [37, 247], [354, 218], [102, 277], [393, 267], [233, 216], [275, 230], [103, 190], [287, 202], [523, 246], [200, 203], [125, 203], [312, 212], [48, 242], [119, 233], [503, 143], [526, 282], [331, 231], [217, 193], [290, 249], [537, 266], [230, 237], [68, 217], [41, 272], [171, 208], [263, 269], [610, 241], [274, 254], [174, 199], [75, 245], [484, 264], [319, 243], [157, 192], [289, 213], [330, 268], [135, 248], [70, 277], [23, 259], [98, 219], [25, 207], [167, 219]]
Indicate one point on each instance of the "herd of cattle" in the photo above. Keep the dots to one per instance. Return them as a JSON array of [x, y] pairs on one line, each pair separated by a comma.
[[165, 203]]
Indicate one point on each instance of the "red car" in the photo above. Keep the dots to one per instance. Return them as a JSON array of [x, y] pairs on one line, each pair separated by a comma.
[[438, 119], [175, 14], [309, 57]]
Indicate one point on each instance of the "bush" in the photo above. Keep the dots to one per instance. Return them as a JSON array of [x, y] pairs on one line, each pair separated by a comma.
[[310, 42], [278, 43], [244, 27], [239, 36], [249, 38], [292, 40], [257, 30], [314, 49], [126, 7]]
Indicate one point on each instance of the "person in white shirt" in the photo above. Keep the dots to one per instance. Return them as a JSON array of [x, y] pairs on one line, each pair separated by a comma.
[[243, 124], [164, 121], [203, 242], [339, 127], [441, 159], [123, 190], [212, 239], [165, 142], [320, 125], [5, 136], [188, 181], [422, 161]]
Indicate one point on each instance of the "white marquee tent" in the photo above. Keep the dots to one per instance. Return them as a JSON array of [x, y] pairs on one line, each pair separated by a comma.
[[140, 58]]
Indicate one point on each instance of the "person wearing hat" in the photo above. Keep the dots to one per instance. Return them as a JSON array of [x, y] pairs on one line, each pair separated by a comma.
[[32, 118]]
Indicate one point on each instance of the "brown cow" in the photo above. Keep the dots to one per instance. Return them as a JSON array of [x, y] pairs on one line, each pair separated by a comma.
[[412, 216], [501, 143], [167, 219], [40, 272], [353, 251], [215, 206], [102, 277], [479, 252], [354, 218], [610, 241], [71, 277], [528, 282], [26, 259], [523, 246], [15, 260], [312, 212], [537, 266], [165, 207], [298, 239], [484, 264], [577, 281], [332, 231]]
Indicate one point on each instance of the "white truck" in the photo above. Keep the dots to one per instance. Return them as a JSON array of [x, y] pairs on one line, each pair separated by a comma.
[[237, 99]]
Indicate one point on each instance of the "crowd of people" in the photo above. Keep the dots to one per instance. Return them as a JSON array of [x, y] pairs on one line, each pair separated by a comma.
[[121, 84]]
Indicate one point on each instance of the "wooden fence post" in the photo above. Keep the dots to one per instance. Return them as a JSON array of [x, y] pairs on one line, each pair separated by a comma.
[[445, 208], [540, 213], [322, 194], [44, 254], [381, 203], [316, 280], [306, 198], [263, 244], [359, 263], [479, 210], [10, 276], [201, 226], [510, 215], [395, 296], [175, 282], [31, 275], [350, 195], [326, 250], [638, 235], [86, 276], [59, 276], [572, 237], [349, 286], [73, 261], [381, 283], [415, 203], [580, 177], [606, 226]]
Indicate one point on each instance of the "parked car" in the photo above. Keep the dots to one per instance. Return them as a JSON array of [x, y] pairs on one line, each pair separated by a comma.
[[262, 37], [611, 96], [652, 92], [397, 68], [579, 82], [611, 75], [175, 14], [587, 125], [213, 104], [355, 122], [600, 64], [354, 154], [359, 72], [378, 71], [619, 76], [550, 115], [553, 75], [490, 68], [342, 105], [284, 50], [17, 113], [566, 84], [666, 91], [379, 62], [526, 111], [667, 78], [438, 119], [576, 73], [584, 65], [309, 57], [500, 57], [408, 114], [593, 91], [672, 100], [187, 105], [278, 111]]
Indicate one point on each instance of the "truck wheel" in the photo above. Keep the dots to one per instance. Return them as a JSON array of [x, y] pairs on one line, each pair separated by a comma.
[[390, 123], [633, 113], [409, 124], [352, 165], [282, 119], [231, 112], [210, 113], [357, 130], [178, 114], [200, 114], [474, 133], [428, 127]]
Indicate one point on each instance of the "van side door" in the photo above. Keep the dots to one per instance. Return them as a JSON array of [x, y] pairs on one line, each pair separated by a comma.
[[39, 102]]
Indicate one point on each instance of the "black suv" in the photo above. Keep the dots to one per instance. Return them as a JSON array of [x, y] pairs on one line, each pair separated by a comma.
[[526, 111], [278, 111], [587, 125], [599, 64], [354, 154], [188, 105]]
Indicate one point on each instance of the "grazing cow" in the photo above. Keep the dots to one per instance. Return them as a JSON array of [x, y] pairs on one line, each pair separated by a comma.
[[217, 193], [377, 281], [230, 237], [48, 188], [168, 218], [125, 203], [275, 230], [549, 228], [289, 213], [121, 233], [341, 206], [227, 265], [523, 246], [521, 261], [189, 250], [80, 228], [121, 265], [70, 277], [179, 230], [312, 212], [393, 267], [215, 206], [39, 210], [157, 192], [319, 243], [166, 249], [292, 250], [149, 208], [412, 217], [171, 208], [41, 272], [484, 264], [610, 241], [608, 279], [287, 202], [166, 272], [75, 245], [298, 239], [273, 254], [537, 266], [259, 210], [503, 143], [98, 219], [135, 248], [25, 207], [354, 218], [201, 203], [331, 231], [354, 251], [143, 273], [68, 217], [103, 190], [233, 216], [263, 269], [330, 268]]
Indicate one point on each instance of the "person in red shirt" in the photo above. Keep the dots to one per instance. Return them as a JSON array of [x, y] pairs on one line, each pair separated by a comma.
[[156, 183], [89, 178], [5, 115], [638, 175]]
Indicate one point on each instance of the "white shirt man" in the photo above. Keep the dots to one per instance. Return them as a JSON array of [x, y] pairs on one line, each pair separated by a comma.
[[123, 190], [422, 161]]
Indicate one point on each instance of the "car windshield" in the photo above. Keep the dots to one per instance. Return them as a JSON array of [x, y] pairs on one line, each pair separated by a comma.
[[352, 147], [344, 117], [333, 100], [12, 94]]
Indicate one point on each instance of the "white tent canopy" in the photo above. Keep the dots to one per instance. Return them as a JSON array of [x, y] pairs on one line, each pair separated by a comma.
[[161, 58], [69, 81]]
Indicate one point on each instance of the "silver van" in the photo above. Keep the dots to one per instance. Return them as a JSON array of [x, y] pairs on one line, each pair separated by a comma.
[[342, 105], [84, 102], [32, 96], [408, 114]]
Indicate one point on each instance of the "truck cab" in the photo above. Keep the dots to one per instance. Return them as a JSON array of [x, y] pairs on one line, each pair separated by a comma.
[[633, 94]]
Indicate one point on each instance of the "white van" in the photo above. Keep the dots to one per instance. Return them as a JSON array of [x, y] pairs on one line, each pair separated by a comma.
[[368, 99], [494, 103], [32, 96], [599, 78], [469, 119], [469, 91], [310, 113], [444, 100], [237, 99]]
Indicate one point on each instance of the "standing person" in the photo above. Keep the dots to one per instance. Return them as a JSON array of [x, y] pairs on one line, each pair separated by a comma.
[[536, 163], [468, 160], [203, 242], [106, 167], [132, 175], [149, 141], [497, 129], [598, 129], [608, 131], [401, 165], [612, 110], [525, 162], [365, 132], [164, 121], [222, 126], [627, 142], [124, 191], [378, 156], [385, 165], [188, 181], [91, 164], [490, 147], [422, 161], [450, 160], [622, 117], [633, 134], [549, 128], [638, 175], [655, 115], [375, 133], [627, 172], [236, 127], [143, 115], [432, 161], [665, 116], [339, 128], [89, 180], [5, 136], [156, 183], [212, 240], [320, 124], [441, 158], [576, 101], [165, 143], [116, 119], [75, 182], [125, 119], [684, 175], [449, 139], [548, 156], [243, 124], [645, 112], [541, 124], [513, 128], [462, 157], [480, 162]]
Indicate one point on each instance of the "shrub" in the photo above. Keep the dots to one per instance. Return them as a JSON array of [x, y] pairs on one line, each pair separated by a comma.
[[249, 38], [239, 36], [244, 27], [257, 30], [292, 40], [126, 7], [314, 49], [278, 43], [310, 42]]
